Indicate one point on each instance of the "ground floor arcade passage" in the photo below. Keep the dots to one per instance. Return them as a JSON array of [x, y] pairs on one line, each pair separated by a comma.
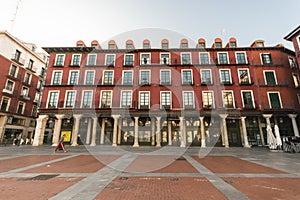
[[220, 130]]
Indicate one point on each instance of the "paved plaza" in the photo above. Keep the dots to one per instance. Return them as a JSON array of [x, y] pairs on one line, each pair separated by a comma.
[[106, 172]]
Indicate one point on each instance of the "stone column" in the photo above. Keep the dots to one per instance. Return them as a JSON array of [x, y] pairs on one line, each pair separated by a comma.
[[94, 131], [3, 120], [224, 129], [170, 132], [39, 131], [294, 123], [115, 132], [261, 131], [136, 132], [57, 128], [182, 132], [88, 132], [203, 141], [76, 130], [153, 131], [158, 133], [119, 131], [102, 131], [244, 132], [267, 117]]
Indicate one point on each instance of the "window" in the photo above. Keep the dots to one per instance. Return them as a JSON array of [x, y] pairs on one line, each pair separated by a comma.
[[39, 85], [296, 80], [17, 55], [188, 100], [144, 102], [164, 58], [37, 97], [87, 99], [27, 78], [241, 58], [201, 45], [56, 79], [128, 60], [53, 99], [266, 58], [110, 60], [70, 99], [184, 45], [111, 46], [13, 71], [206, 78], [223, 58], [146, 46], [108, 77], [218, 45], [20, 109], [145, 59], [292, 62], [5, 104], [30, 64], [208, 99], [298, 95], [73, 77], [129, 46], [165, 77], [244, 76], [89, 77], [24, 92], [232, 44], [60, 59], [127, 78], [204, 59], [91, 60], [144, 77], [186, 59], [34, 112], [165, 100], [270, 78], [274, 100], [228, 101], [76, 59], [225, 76], [126, 99], [106, 97], [187, 77], [165, 45], [247, 97], [9, 86]]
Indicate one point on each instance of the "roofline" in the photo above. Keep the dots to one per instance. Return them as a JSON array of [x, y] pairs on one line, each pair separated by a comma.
[[291, 34]]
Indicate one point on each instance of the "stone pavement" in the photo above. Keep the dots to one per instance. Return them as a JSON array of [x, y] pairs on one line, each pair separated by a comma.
[[106, 172]]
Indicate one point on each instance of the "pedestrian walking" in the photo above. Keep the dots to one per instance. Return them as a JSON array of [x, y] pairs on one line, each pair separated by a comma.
[[60, 144]]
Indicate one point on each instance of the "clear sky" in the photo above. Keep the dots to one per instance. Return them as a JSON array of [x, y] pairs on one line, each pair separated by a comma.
[[63, 22]]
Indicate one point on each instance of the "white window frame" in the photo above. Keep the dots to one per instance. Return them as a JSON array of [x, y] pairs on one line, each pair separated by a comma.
[[37, 97], [191, 76], [297, 79], [230, 77], [129, 54], [228, 61], [183, 103], [56, 57], [123, 72], [261, 59], [83, 91], [69, 78], [13, 87], [207, 53], [213, 98], [48, 99], [30, 78], [211, 79], [253, 101], [85, 74], [160, 82], [88, 59], [274, 72], [66, 96], [293, 64], [106, 55], [121, 99], [298, 96], [113, 74], [52, 78], [27, 92], [233, 100], [168, 60], [269, 100], [140, 77], [72, 62], [101, 96], [16, 72], [246, 69], [160, 102], [23, 109], [148, 60], [8, 103], [149, 106], [236, 59], [181, 58]]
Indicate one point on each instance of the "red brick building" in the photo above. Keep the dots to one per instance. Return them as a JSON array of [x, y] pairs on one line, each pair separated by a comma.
[[22, 71], [223, 94]]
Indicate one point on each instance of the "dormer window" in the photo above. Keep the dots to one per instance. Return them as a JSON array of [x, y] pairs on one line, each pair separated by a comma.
[[111, 46], [218, 45], [232, 44], [164, 45], [184, 45], [129, 46], [201, 45]]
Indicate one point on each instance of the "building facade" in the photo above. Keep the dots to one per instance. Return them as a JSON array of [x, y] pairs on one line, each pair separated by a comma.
[[221, 95], [21, 81]]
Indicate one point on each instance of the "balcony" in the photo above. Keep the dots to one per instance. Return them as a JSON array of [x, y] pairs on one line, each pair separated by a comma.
[[25, 97], [16, 58]]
